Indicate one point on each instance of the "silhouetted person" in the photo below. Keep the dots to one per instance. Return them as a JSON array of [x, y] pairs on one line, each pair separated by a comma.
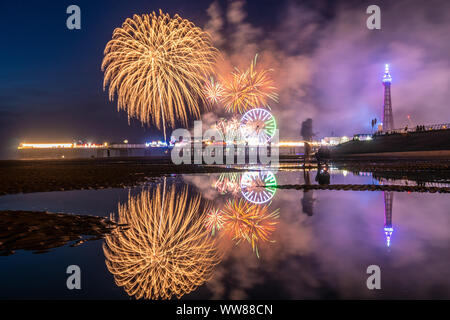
[[323, 176]]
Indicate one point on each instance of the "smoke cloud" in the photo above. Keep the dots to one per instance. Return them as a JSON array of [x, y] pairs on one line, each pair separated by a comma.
[[329, 67]]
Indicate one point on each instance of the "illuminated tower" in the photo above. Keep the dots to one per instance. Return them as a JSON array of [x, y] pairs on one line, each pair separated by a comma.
[[388, 229], [388, 117]]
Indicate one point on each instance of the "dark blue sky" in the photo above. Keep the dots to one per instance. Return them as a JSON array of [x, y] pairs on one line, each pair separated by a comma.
[[50, 77]]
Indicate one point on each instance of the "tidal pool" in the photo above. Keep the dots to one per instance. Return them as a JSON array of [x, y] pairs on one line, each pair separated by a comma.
[[223, 236]]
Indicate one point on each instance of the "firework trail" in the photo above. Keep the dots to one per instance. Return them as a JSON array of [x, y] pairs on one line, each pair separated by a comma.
[[213, 91], [166, 251], [247, 221], [156, 64], [229, 130], [248, 89]]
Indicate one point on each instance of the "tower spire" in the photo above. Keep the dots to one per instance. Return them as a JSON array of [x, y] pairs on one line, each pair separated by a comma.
[[388, 118], [387, 76]]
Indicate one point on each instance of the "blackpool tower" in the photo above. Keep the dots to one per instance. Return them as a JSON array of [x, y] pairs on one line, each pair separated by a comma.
[[388, 117]]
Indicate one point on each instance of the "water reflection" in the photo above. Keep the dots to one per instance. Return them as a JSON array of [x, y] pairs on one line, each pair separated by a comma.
[[308, 196], [169, 248], [199, 237], [249, 218], [256, 186], [214, 221], [228, 182], [326, 255], [250, 222], [388, 229], [165, 251]]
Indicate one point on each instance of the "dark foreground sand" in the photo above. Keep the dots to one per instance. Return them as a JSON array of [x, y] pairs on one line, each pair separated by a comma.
[[60, 175], [40, 232]]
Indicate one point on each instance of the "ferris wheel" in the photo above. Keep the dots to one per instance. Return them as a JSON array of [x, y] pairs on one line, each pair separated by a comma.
[[258, 126], [258, 186]]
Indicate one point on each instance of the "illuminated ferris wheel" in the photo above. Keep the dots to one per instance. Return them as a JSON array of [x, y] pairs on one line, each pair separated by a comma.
[[258, 126], [258, 186]]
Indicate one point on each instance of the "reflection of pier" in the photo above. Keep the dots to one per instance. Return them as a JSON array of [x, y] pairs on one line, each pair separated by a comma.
[[365, 187], [424, 179], [388, 229]]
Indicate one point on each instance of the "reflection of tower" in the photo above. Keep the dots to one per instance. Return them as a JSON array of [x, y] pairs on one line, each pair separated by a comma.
[[388, 117], [388, 229]]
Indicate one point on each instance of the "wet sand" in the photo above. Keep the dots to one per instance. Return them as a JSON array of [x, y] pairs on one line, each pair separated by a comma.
[[18, 176]]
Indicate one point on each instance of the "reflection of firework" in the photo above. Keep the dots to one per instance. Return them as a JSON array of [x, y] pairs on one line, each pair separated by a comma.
[[228, 182], [249, 89], [155, 63], [213, 91], [214, 220], [166, 250], [246, 221]]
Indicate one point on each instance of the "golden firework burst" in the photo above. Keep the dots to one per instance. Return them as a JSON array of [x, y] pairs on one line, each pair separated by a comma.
[[246, 221], [156, 64], [166, 251], [213, 91], [249, 89]]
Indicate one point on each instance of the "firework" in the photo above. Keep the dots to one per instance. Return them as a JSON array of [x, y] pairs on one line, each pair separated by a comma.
[[229, 130], [246, 221], [155, 65], [248, 89], [165, 251], [213, 91], [214, 220]]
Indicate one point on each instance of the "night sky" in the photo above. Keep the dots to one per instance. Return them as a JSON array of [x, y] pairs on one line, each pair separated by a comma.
[[328, 65]]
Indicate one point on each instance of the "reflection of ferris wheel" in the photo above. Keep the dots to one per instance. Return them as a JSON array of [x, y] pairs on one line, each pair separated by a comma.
[[258, 187], [258, 126]]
